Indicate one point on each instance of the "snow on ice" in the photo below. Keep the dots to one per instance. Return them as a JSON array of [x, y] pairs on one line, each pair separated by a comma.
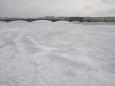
[[45, 53]]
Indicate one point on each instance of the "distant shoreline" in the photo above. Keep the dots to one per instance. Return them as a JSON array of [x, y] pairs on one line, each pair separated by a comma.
[[54, 19]]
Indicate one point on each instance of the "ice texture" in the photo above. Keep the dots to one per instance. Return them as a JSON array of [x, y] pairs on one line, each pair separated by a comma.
[[45, 53]]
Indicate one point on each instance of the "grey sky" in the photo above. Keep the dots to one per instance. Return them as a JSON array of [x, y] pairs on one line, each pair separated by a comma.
[[36, 8]]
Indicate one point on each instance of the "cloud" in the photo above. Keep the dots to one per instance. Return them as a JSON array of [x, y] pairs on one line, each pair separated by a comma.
[[107, 1], [36, 8]]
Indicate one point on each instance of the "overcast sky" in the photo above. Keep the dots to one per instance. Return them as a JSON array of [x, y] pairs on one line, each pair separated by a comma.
[[36, 8]]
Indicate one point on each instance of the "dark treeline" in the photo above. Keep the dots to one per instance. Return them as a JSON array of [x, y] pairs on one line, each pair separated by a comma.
[[70, 19]]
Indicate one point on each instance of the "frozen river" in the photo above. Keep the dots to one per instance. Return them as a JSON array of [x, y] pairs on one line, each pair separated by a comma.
[[44, 53]]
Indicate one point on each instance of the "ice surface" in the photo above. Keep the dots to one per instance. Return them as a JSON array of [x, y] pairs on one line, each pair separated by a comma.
[[48, 53]]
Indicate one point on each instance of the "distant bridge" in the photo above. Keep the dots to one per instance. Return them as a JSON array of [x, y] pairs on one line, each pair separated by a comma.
[[70, 19]]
